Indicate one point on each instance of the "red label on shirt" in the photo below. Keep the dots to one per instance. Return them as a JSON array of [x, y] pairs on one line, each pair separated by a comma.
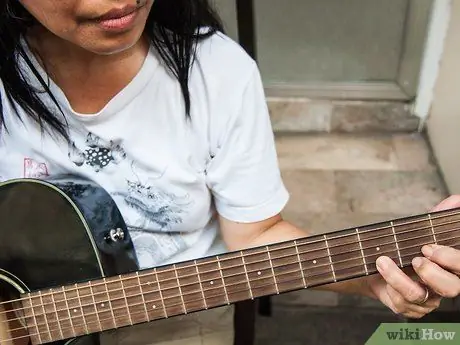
[[34, 169]]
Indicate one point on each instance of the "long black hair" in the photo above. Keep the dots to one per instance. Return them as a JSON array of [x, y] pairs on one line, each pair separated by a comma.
[[173, 26]]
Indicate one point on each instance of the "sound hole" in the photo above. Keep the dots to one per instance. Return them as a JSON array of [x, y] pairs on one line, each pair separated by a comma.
[[12, 324]]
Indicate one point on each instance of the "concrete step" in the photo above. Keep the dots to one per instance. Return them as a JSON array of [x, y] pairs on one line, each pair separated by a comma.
[[308, 115]]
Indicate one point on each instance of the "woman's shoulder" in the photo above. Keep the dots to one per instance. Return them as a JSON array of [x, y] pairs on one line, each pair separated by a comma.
[[222, 59]]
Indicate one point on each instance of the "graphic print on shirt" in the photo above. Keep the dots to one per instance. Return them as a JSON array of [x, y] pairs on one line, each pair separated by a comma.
[[153, 248], [155, 208], [98, 154], [34, 169]]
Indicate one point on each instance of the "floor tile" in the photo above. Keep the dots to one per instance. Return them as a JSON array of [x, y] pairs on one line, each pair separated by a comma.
[[310, 191], [413, 153], [404, 193], [336, 153]]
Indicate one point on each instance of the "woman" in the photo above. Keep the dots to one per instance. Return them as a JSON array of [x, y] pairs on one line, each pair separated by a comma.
[[153, 102]]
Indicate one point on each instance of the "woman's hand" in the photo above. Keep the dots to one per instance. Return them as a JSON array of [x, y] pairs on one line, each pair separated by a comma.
[[404, 295], [440, 268], [436, 277]]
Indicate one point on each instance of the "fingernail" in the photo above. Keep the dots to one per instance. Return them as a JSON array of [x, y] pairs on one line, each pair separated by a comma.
[[382, 263], [429, 250], [417, 262]]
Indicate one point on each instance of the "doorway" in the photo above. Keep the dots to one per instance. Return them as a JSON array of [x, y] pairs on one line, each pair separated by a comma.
[[354, 49]]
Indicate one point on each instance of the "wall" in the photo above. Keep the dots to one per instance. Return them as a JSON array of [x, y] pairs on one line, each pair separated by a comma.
[[443, 124], [227, 12]]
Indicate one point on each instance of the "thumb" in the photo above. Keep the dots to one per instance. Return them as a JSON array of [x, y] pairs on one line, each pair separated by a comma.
[[449, 203]]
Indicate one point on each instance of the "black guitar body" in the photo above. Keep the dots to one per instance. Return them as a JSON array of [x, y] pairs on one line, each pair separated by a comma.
[[68, 223]]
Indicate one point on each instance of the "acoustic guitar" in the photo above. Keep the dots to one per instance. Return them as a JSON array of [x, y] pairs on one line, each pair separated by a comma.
[[68, 267]]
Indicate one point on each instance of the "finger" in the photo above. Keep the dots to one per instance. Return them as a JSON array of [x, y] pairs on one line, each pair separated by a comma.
[[404, 307], [411, 291], [447, 204], [436, 278], [446, 257]]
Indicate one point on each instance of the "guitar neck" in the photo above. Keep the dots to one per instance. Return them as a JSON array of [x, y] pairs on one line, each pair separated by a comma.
[[191, 286]]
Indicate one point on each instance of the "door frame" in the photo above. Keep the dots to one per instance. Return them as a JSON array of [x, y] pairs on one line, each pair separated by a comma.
[[404, 88]]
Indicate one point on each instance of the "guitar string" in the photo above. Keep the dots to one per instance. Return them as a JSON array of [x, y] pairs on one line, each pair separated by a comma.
[[441, 214], [192, 293], [290, 263], [296, 262], [113, 320], [353, 234], [251, 263]]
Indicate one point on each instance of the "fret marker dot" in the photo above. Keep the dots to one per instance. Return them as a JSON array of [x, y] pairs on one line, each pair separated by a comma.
[[75, 311], [315, 262], [212, 283], [154, 306], [259, 273], [102, 305], [378, 249]]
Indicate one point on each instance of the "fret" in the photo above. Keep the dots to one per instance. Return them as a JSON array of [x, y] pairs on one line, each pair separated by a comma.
[[223, 283], [134, 298], [397, 245], [109, 303], [161, 294], [211, 277], [180, 290], [432, 229], [81, 309], [89, 308], [102, 306], [75, 310], [126, 300], [169, 285], [29, 318], [346, 254], [247, 277], [50, 310], [330, 258], [63, 291], [285, 264], [45, 316], [118, 302], [235, 278], [150, 290], [190, 286], [91, 292], [38, 333], [362, 251], [300, 264], [377, 240], [412, 234], [147, 317], [260, 274], [201, 285], [53, 301], [315, 261], [273, 271], [447, 228]]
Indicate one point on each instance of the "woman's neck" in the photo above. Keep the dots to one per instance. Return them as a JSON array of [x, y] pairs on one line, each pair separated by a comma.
[[88, 80]]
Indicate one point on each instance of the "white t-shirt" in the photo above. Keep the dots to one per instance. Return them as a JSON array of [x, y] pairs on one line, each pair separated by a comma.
[[169, 176]]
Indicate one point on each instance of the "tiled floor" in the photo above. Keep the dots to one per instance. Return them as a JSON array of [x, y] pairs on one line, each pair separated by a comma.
[[337, 182]]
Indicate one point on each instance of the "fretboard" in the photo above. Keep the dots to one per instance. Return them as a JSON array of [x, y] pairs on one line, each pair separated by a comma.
[[99, 305]]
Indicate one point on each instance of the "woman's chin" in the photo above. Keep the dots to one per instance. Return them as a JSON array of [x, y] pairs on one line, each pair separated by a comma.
[[112, 46]]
